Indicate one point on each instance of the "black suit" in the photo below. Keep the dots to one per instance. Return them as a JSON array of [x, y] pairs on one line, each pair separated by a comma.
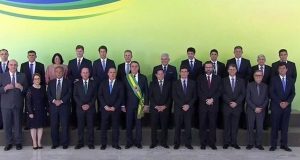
[[183, 117], [292, 71], [110, 99], [244, 71], [232, 115], [39, 68], [196, 71], [83, 97], [170, 73], [1, 71], [132, 107], [280, 117], [220, 69], [208, 113], [73, 75], [59, 115], [160, 97]]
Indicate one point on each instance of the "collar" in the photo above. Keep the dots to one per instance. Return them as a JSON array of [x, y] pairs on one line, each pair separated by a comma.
[[282, 76], [238, 59], [85, 80], [4, 62], [79, 59], [11, 74], [164, 65], [105, 59], [214, 61], [230, 77], [32, 63], [161, 80], [193, 60]]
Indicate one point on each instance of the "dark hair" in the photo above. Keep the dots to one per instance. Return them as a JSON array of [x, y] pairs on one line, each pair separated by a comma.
[[37, 74], [59, 56], [79, 47], [232, 65], [4, 50], [282, 64], [282, 50], [85, 68], [31, 51], [127, 50], [184, 67], [159, 69], [238, 47], [213, 50], [102, 47], [207, 62], [136, 62], [112, 68], [191, 49]]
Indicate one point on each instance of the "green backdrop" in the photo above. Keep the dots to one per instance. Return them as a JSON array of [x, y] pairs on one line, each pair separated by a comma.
[[151, 27]]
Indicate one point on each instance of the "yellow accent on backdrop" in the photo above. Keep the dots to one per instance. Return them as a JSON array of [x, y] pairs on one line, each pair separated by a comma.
[[150, 27]]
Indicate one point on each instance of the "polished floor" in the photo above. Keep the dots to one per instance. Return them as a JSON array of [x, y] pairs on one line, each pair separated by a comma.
[[147, 154]]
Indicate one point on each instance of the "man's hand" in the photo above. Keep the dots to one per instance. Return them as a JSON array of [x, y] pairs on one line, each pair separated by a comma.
[[8, 87], [232, 104], [258, 110], [57, 102], [112, 109], [31, 116], [146, 109], [210, 101], [283, 105], [19, 86], [107, 108], [123, 109], [85, 107], [185, 107]]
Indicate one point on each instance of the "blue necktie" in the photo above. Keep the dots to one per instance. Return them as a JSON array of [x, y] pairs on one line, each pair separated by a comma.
[[283, 83], [103, 65], [110, 86], [3, 67], [238, 62], [191, 65], [31, 69]]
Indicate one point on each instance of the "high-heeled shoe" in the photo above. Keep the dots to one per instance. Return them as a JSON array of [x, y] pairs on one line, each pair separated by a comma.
[[35, 148], [40, 147]]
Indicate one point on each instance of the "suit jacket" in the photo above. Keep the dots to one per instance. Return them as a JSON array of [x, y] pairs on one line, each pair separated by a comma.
[[6, 69], [245, 69], [121, 72], [170, 75], [74, 72], [115, 98], [267, 73], [221, 69], [81, 98], [66, 92], [99, 74], [205, 92], [180, 98], [193, 75], [39, 68], [277, 94], [158, 98], [237, 96], [254, 99], [14, 97], [131, 100], [292, 71]]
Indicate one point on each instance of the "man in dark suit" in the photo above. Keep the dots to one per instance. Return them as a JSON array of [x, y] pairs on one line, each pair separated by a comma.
[[4, 68], [267, 71], [100, 69], [184, 96], [170, 71], [136, 103], [13, 87], [123, 70], [218, 67], [74, 68], [282, 93], [59, 94], [292, 71], [244, 72], [111, 95], [257, 101], [160, 103], [85, 94], [29, 68], [234, 93], [209, 92]]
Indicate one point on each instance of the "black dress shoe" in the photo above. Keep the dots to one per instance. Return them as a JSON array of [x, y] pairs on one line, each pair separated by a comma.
[[139, 146], [236, 146], [78, 146], [26, 128], [54, 146], [225, 146], [165, 146], [103, 147], [116, 147], [19, 146], [40, 147], [286, 148], [152, 146], [65, 147], [213, 147], [249, 147], [8, 147], [128, 146], [189, 146], [203, 147], [260, 147], [272, 148], [176, 146], [91, 146]]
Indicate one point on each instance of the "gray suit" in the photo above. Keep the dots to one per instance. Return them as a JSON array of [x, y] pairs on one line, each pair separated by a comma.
[[12, 102], [256, 98]]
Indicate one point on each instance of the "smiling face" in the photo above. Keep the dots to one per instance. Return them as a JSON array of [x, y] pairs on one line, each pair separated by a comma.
[[4, 55], [112, 73], [79, 52], [283, 56], [12, 66], [37, 80], [102, 53], [31, 57], [85, 73], [238, 53]]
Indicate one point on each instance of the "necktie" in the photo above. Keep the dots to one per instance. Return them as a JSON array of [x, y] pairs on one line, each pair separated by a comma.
[[258, 89], [283, 81], [85, 87], [238, 62], [161, 85], [110, 86], [165, 69], [262, 69], [184, 86], [13, 80], [214, 68], [232, 84], [3, 67], [58, 90], [127, 68], [103, 65], [31, 69], [208, 81], [78, 64], [192, 65]]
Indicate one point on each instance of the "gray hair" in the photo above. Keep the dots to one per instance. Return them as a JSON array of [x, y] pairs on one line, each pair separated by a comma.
[[261, 56], [165, 55]]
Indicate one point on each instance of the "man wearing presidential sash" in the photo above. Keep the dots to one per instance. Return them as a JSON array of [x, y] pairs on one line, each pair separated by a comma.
[[136, 104]]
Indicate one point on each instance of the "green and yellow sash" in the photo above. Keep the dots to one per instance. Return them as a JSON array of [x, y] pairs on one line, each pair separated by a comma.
[[137, 91]]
